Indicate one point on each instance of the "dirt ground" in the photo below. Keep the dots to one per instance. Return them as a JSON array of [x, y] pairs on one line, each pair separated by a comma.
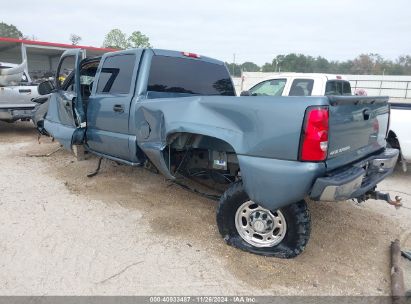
[[127, 231]]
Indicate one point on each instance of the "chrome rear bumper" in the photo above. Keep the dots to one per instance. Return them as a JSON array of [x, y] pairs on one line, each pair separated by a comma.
[[356, 180]]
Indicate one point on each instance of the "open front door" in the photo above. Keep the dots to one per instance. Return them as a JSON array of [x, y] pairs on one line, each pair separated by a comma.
[[65, 119]]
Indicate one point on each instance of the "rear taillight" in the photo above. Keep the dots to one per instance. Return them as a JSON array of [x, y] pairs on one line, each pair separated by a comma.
[[314, 140]]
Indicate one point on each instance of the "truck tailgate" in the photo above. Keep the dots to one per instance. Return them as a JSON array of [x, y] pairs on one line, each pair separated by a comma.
[[357, 128]]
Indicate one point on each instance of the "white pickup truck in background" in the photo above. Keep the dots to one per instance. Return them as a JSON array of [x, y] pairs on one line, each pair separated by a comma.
[[399, 135], [300, 84], [16, 92], [313, 84]]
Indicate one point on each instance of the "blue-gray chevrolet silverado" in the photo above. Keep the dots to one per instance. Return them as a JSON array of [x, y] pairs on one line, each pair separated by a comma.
[[177, 113]]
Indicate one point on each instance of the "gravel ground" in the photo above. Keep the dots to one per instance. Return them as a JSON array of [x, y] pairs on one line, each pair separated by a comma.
[[128, 232]]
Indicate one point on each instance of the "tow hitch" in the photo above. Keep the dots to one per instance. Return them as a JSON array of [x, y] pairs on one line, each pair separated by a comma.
[[381, 196]]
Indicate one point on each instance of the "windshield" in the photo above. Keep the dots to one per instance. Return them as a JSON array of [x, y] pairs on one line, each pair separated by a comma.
[[273, 87]]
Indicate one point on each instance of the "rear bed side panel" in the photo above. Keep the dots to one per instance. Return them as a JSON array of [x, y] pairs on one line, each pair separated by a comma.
[[263, 131], [254, 126]]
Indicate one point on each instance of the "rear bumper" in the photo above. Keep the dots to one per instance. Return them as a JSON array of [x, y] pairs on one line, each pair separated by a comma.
[[16, 114], [356, 180]]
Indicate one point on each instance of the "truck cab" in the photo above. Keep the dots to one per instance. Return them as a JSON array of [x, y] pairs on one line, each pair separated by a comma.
[[99, 104]]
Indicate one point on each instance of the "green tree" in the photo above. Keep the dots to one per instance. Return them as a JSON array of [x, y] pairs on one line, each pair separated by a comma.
[[372, 63], [344, 67], [366, 64], [138, 40], [268, 67], [321, 65], [403, 64], [9, 31], [234, 69], [295, 63], [115, 39], [250, 67], [75, 39]]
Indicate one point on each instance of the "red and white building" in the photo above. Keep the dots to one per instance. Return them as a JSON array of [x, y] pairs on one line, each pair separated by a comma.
[[42, 57]]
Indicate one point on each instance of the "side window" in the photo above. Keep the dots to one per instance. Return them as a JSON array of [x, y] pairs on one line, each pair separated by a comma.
[[64, 70], [116, 73], [273, 87], [301, 87]]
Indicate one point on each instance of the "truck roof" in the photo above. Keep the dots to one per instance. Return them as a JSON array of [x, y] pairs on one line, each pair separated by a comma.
[[184, 54], [181, 54], [306, 75]]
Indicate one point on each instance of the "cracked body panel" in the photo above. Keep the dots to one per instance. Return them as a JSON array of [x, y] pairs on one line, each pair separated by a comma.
[[246, 125]]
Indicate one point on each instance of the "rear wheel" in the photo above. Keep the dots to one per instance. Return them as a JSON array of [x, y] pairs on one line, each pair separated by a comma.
[[246, 225]]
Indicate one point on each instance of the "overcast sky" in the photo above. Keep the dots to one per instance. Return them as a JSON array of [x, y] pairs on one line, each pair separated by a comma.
[[255, 30]]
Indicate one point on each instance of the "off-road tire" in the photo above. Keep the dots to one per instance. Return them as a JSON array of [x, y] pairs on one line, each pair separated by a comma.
[[297, 217]]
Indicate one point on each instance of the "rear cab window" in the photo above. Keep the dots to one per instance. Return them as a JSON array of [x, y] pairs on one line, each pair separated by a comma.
[[301, 87], [175, 76], [116, 74], [338, 87], [272, 87]]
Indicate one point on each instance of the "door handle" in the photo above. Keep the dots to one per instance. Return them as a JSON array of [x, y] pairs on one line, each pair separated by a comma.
[[118, 108]]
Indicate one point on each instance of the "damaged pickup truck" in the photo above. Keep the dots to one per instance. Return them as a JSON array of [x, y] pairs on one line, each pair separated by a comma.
[[177, 112]]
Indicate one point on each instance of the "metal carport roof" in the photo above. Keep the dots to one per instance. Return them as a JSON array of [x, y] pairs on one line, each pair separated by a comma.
[[41, 56]]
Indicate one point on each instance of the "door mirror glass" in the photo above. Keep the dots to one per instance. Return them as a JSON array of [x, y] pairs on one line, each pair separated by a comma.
[[45, 87]]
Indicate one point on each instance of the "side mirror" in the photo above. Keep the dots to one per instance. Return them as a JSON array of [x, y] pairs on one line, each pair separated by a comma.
[[245, 93], [45, 87]]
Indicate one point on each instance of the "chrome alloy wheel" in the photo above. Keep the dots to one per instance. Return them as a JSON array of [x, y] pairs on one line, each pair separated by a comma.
[[258, 226]]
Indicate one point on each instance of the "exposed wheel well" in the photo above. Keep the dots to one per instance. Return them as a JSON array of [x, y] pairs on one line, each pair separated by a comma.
[[200, 156]]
